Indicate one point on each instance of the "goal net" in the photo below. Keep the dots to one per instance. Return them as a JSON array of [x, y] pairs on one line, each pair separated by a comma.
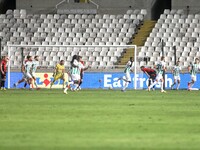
[[107, 64]]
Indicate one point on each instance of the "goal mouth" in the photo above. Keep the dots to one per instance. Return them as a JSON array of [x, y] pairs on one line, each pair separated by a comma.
[[75, 46]]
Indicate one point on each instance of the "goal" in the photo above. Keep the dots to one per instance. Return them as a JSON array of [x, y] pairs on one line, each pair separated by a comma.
[[104, 61]]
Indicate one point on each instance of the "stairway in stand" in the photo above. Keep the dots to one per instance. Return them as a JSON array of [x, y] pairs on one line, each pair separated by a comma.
[[138, 40]]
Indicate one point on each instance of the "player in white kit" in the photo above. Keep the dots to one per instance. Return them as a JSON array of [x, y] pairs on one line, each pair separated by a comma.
[[176, 73], [28, 67], [193, 69], [127, 71], [160, 67], [24, 78], [75, 73], [35, 65]]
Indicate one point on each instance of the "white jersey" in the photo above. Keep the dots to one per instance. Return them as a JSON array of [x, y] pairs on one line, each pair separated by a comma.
[[128, 67], [28, 66], [194, 69], [160, 67], [35, 65], [176, 70], [76, 67]]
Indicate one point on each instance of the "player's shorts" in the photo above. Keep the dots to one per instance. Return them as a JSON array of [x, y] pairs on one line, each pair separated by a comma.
[[75, 77], [3, 76], [59, 76], [128, 77], [152, 76], [159, 77], [177, 78], [28, 75], [194, 78]]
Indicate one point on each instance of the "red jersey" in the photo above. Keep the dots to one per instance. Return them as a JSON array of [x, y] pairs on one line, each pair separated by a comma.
[[149, 71], [4, 65]]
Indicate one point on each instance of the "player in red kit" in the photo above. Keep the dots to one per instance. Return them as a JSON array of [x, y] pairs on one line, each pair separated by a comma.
[[3, 71], [151, 73]]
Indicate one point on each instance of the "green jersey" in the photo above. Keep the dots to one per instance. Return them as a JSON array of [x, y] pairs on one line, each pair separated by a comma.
[[176, 70], [128, 67], [160, 67], [76, 68], [194, 69], [35, 65], [28, 66]]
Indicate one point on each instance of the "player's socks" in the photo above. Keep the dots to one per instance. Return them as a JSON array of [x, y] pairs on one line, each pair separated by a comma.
[[161, 86], [25, 84], [172, 86], [152, 85], [191, 85], [80, 83], [75, 86], [65, 90], [163, 91], [35, 84], [125, 86], [178, 86], [51, 84], [2, 83]]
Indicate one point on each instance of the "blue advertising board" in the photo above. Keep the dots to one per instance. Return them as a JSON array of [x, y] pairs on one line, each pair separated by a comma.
[[95, 80]]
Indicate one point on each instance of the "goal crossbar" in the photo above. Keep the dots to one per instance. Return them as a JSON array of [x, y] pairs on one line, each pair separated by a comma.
[[35, 46]]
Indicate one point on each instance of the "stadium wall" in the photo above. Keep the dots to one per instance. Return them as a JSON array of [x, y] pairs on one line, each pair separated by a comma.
[[104, 80], [194, 5], [105, 6]]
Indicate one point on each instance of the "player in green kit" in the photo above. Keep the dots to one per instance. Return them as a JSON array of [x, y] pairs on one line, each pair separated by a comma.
[[76, 67], [193, 68], [160, 67], [127, 71], [176, 73], [35, 65]]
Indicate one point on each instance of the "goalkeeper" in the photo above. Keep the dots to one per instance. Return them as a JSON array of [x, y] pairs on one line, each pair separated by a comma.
[[59, 73]]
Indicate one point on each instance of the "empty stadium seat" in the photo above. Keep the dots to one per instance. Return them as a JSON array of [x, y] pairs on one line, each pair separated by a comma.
[[44, 29], [176, 29]]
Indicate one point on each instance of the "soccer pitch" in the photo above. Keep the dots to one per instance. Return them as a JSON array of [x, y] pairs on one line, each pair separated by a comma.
[[99, 120]]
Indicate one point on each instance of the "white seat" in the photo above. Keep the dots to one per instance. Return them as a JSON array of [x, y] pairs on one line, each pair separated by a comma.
[[126, 16], [113, 59], [143, 12], [49, 16], [106, 59], [130, 11], [99, 58]]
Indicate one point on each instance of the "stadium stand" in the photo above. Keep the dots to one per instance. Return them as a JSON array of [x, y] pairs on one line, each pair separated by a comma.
[[176, 29], [18, 27]]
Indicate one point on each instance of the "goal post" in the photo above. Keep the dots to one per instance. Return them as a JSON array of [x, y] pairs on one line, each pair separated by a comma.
[[74, 46]]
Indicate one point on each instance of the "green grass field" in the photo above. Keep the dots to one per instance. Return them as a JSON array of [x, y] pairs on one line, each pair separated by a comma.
[[99, 120]]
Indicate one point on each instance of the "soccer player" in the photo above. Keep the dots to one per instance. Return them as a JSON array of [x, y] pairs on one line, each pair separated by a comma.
[[28, 66], [127, 74], [193, 68], [81, 74], [76, 67], [24, 78], [160, 67], [59, 73], [151, 74], [3, 71], [176, 73], [35, 65]]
